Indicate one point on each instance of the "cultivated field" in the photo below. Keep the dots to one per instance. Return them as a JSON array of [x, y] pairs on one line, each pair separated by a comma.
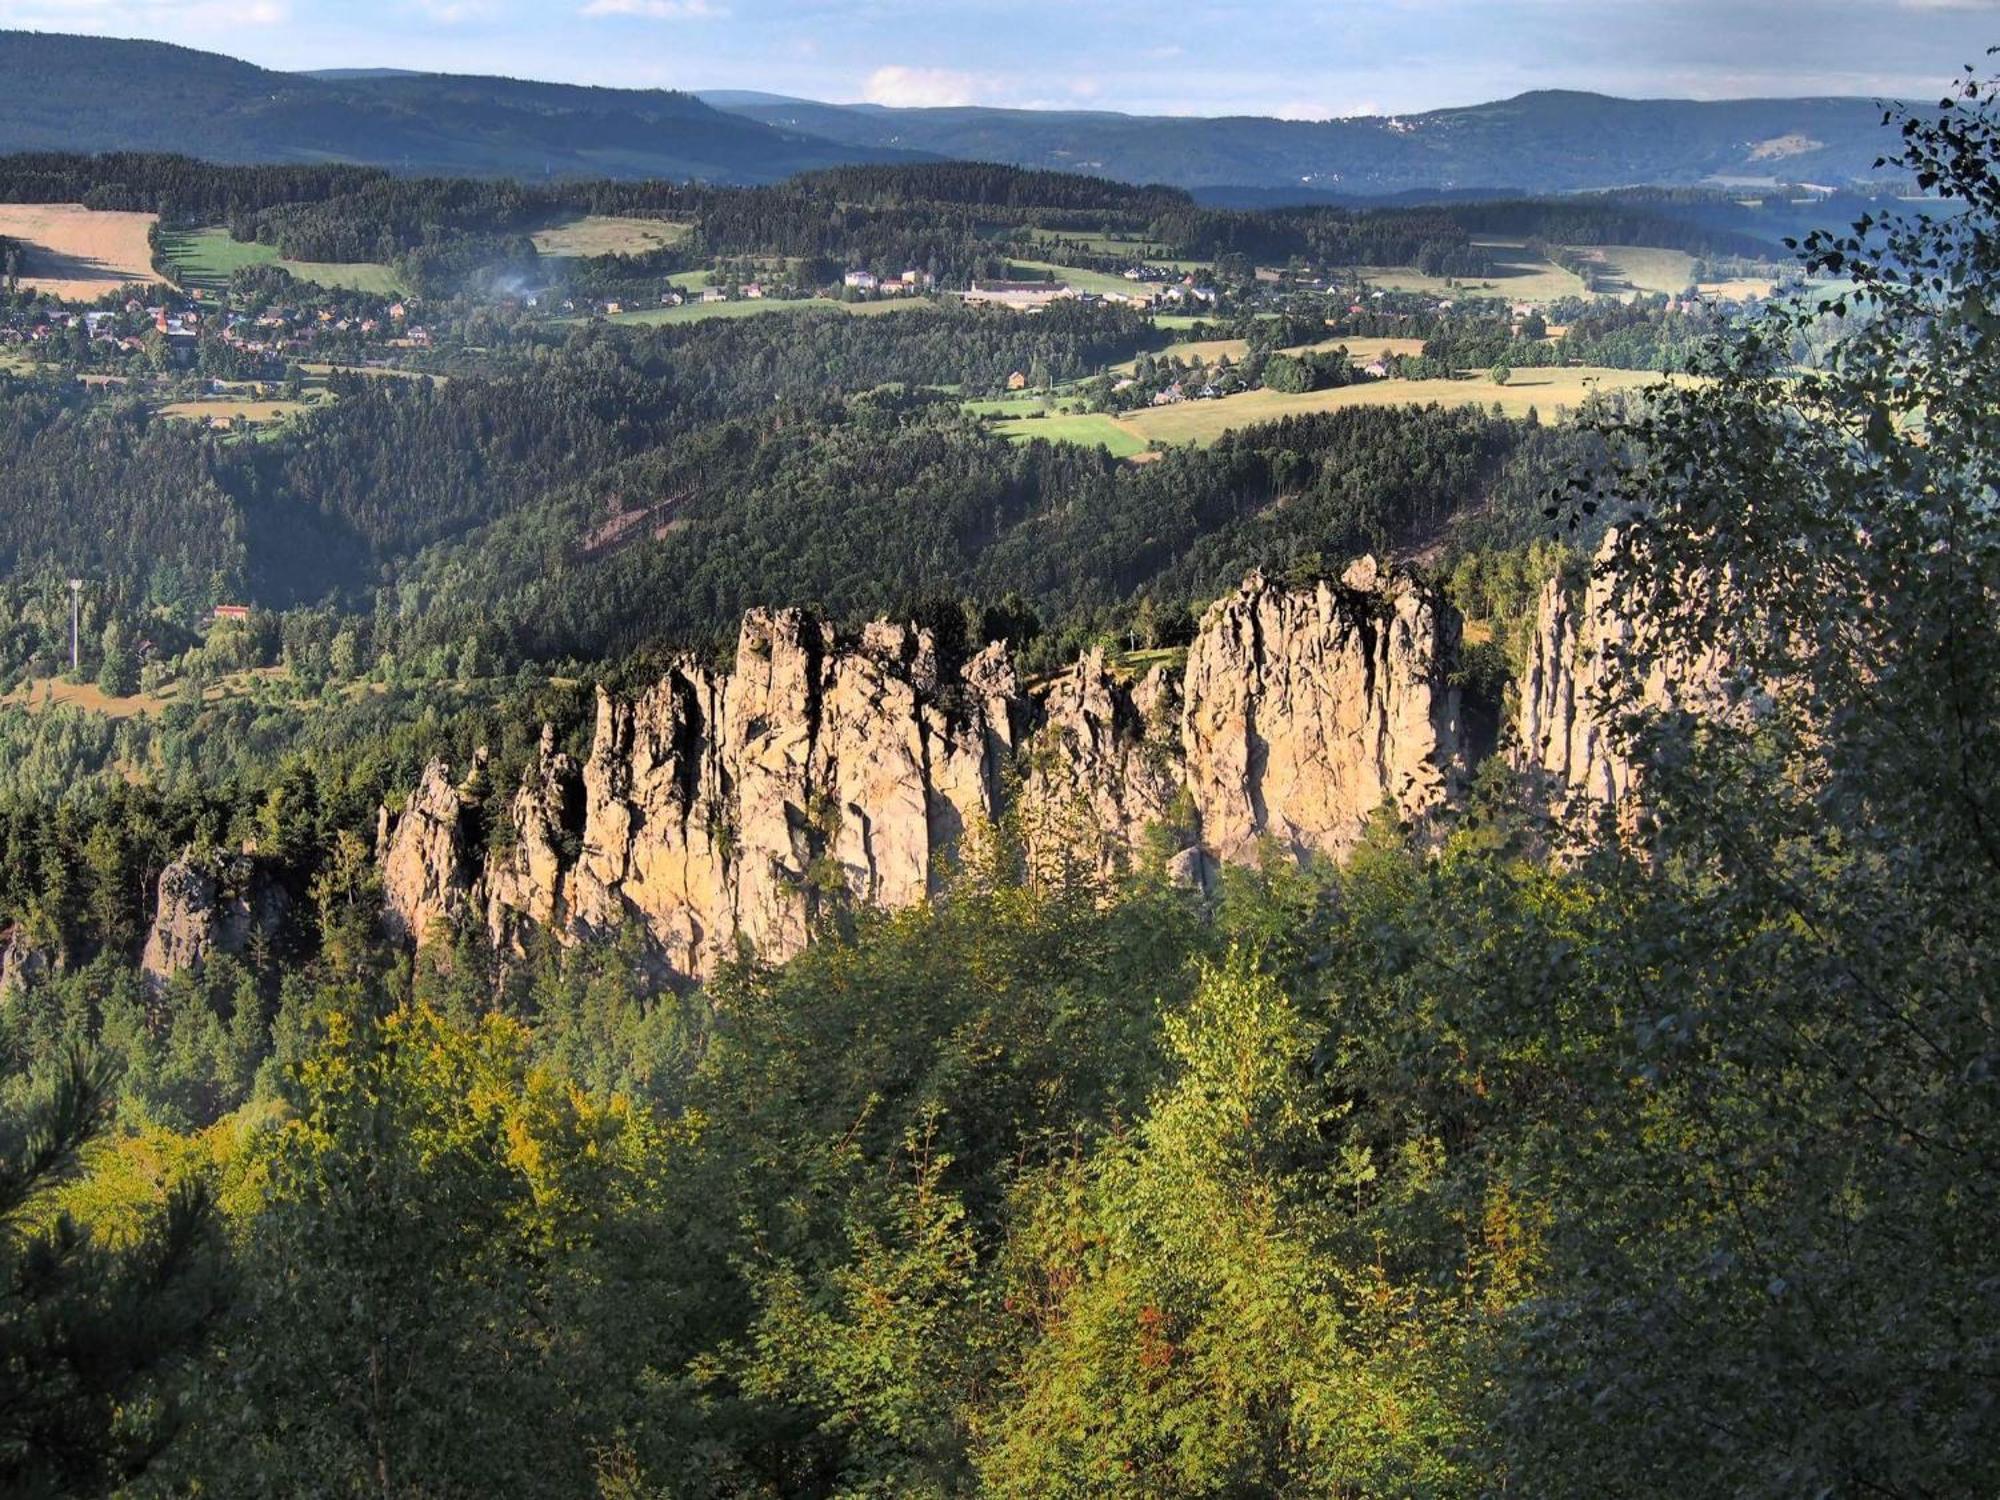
[[606, 234], [207, 258], [78, 253]]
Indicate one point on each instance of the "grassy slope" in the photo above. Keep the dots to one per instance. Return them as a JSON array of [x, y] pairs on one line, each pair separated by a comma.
[[208, 257]]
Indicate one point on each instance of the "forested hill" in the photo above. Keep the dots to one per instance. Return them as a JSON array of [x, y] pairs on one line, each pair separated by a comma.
[[1549, 141], [98, 94]]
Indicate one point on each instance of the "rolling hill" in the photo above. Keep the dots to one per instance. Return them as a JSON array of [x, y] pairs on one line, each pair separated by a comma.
[[96, 94], [77, 93], [1550, 141]]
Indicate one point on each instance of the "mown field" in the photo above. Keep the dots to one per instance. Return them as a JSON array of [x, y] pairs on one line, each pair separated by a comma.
[[79, 253], [1545, 391], [607, 234], [1518, 277], [1087, 429], [205, 259], [1101, 282]]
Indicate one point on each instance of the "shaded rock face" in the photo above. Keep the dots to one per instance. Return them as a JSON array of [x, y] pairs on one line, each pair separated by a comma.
[[1585, 656], [825, 773], [22, 964], [207, 904]]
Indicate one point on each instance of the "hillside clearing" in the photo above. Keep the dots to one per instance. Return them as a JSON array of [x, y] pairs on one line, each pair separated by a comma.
[[1102, 282], [79, 253], [608, 234], [1086, 429], [1639, 268], [1518, 277], [233, 411], [205, 259]]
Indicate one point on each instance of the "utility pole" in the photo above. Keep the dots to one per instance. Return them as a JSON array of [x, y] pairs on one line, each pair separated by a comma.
[[75, 608]]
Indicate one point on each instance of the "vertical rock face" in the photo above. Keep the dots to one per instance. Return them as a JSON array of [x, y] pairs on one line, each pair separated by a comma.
[[207, 904], [22, 964], [1562, 734], [825, 773], [1307, 709], [424, 858], [1582, 659], [1104, 766]]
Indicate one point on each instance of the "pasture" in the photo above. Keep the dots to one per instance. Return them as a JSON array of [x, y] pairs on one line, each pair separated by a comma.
[[205, 259], [77, 253], [608, 234]]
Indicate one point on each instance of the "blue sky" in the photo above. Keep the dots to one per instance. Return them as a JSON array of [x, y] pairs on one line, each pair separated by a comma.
[[1300, 58]]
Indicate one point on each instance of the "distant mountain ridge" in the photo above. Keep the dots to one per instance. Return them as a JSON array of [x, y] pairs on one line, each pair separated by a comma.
[[1547, 141], [77, 93], [80, 93]]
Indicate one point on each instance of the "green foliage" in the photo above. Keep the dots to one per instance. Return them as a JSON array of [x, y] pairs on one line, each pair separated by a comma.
[[94, 1340]]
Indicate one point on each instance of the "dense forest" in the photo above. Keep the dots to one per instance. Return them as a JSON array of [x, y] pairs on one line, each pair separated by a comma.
[[1637, 1144]]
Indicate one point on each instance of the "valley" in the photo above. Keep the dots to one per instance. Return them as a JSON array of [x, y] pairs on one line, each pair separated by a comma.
[[719, 797]]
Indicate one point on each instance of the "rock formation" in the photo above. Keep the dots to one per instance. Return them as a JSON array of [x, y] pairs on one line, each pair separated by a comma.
[[208, 903], [22, 964], [824, 773], [1590, 658], [1307, 709]]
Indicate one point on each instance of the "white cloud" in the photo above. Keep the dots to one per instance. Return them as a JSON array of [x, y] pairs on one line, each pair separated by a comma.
[[921, 88], [656, 10], [454, 12]]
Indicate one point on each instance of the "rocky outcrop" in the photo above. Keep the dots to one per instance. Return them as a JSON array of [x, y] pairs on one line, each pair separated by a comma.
[[423, 854], [1104, 766], [208, 903], [1594, 660], [1308, 709], [825, 773], [1562, 732], [22, 964]]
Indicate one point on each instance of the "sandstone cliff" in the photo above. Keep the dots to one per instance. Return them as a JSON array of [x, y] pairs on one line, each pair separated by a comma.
[[1595, 659], [206, 904], [824, 773]]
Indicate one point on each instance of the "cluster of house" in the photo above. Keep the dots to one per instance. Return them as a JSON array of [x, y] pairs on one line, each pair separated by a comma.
[[909, 282], [278, 332], [127, 329], [274, 333]]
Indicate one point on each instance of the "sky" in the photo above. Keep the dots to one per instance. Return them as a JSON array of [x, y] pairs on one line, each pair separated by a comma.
[[1304, 59]]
